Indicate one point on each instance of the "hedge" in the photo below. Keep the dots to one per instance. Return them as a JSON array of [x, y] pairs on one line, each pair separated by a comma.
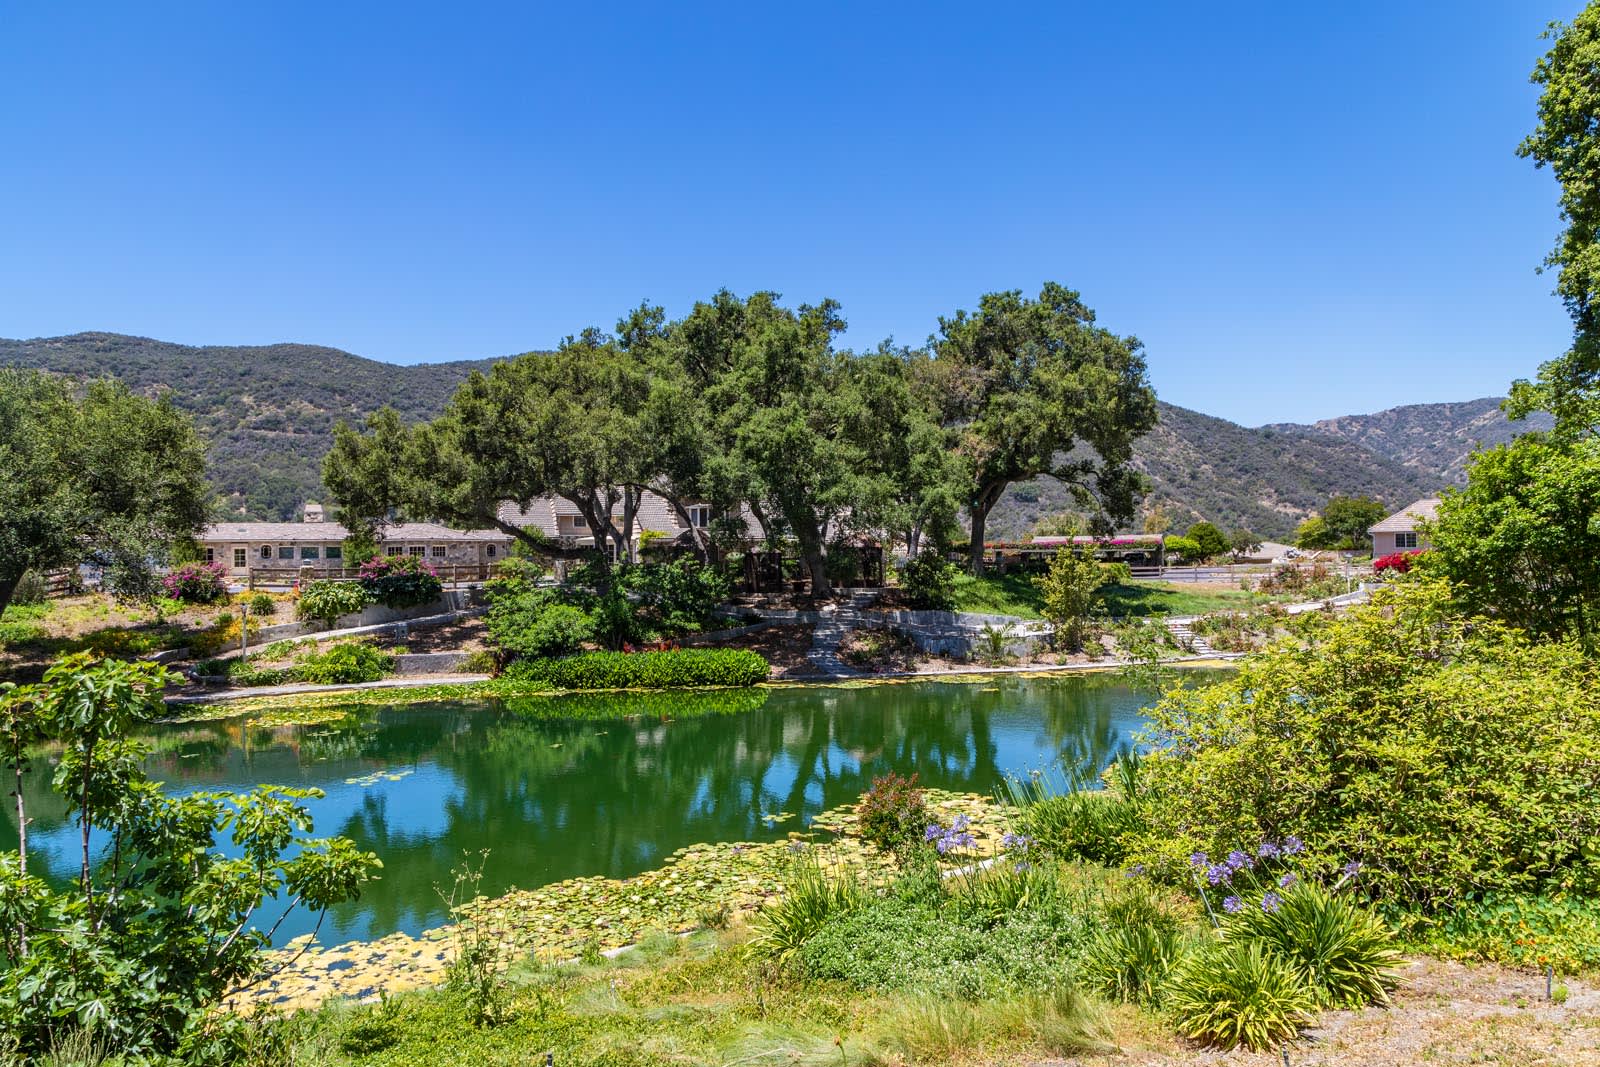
[[676, 669]]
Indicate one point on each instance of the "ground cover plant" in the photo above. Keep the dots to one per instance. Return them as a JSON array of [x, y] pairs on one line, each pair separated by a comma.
[[1013, 593]]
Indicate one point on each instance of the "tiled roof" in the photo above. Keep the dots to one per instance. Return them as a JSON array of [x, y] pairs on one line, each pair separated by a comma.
[[1406, 519]]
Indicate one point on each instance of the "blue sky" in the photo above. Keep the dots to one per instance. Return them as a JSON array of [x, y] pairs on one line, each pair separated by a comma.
[[1302, 210]]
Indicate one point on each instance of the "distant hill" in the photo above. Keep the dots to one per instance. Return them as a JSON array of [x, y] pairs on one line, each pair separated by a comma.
[[1266, 480], [1433, 438], [268, 413]]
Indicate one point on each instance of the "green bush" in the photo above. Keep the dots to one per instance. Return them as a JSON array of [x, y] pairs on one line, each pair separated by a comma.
[[674, 669], [1343, 954], [31, 589], [554, 630], [345, 663], [1235, 993], [892, 814], [811, 896], [243, 672], [1070, 820], [1132, 963], [325, 600], [929, 581], [263, 605], [675, 598], [1448, 755]]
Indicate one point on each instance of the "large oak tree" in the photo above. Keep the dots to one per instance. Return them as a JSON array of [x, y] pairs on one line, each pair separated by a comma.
[[99, 476], [1031, 387]]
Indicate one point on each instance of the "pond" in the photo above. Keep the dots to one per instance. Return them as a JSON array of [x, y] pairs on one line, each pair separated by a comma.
[[553, 798]]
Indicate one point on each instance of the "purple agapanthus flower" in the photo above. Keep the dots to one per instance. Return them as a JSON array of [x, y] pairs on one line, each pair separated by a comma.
[[1232, 904], [1017, 842], [1286, 881], [1238, 861], [1024, 866], [1216, 874], [1293, 846], [1133, 872], [1199, 859], [1351, 869], [1269, 850], [934, 830], [1271, 902]]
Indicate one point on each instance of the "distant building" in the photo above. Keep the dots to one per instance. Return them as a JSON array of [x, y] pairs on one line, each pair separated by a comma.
[[559, 519], [319, 545], [1399, 533]]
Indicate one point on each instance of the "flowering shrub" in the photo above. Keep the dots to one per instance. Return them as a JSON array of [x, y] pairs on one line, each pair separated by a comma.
[[196, 583], [891, 812], [1399, 562], [400, 581]]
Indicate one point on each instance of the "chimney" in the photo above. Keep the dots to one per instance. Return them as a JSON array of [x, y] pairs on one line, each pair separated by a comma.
[[313, 512]]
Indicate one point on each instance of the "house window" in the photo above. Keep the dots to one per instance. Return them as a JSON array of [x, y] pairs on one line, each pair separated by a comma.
[[309, 552], [286, 552], [700, 516], [335, 552], [239, 556], [491, 552], [416, 550], [580, 522], [437, 552], [211, 555], [266, 551], [1406, 540]]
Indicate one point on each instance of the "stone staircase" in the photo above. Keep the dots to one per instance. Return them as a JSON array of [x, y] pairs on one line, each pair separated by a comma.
[[1187, 638], [832, 624]]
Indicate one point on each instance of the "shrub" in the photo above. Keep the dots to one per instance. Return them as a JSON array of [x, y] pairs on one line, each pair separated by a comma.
[[553, 630], [326, 600], [675, 598], [893, 813], [1233, 993], [1072, 821], [246, 673], [106, 949], [263, 605], [196, 583], [400, 581], [1343, 954], [880, 648], [31, 589], [1398, 562], [1448, 755], [811, 896], [645, 670], [929, 581], [345, 663]]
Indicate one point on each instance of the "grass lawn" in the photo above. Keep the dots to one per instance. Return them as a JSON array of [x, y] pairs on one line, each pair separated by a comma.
[[1014, 594]]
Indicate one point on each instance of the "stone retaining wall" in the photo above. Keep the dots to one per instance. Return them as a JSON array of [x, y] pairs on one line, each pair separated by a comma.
[[430, 662]]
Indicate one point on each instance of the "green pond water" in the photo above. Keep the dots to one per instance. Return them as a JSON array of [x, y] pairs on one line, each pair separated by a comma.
[[556, 798]]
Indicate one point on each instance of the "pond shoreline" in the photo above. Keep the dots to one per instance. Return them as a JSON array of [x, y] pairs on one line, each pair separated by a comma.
[[464, 684]]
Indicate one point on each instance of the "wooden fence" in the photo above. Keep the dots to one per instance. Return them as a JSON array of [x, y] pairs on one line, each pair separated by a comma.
[[449, 574]]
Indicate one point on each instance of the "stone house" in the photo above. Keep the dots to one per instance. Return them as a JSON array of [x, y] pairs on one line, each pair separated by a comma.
[[319, 545]]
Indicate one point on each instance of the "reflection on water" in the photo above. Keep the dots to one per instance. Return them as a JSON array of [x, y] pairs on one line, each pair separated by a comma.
[[421, 784]]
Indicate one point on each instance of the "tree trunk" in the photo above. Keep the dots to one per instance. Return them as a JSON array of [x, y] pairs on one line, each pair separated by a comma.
[[979, 509], [814, 556], [9, 580]]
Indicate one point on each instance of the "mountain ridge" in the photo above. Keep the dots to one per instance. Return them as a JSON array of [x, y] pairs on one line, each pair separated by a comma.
[[267, 412]]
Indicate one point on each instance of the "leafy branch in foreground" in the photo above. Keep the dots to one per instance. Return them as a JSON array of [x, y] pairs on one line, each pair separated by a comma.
[[159, 925]]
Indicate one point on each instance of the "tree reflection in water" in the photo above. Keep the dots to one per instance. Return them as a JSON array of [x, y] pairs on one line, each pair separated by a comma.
[[556, 798]]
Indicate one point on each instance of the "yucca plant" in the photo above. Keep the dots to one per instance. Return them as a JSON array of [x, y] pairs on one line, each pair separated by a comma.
[[810, 898], [1343, 953], [1236, 993]]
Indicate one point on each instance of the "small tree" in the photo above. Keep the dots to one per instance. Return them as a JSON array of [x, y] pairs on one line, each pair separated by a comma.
[[929, 581], [1208, 539], [157, 926], [1242, 542], [1071, 595]]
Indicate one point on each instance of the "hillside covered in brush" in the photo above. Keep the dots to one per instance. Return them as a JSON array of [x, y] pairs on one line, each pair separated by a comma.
[[268, 413]]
